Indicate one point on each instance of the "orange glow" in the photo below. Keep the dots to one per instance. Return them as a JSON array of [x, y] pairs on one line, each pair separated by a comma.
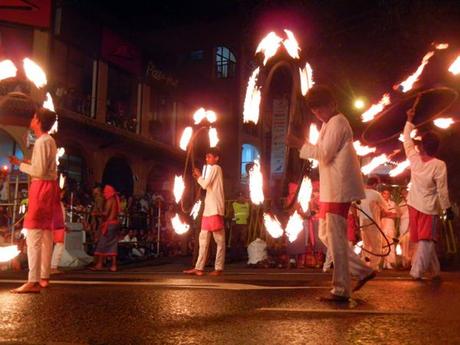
[[252, 99], [179, 187], [256, 184], [199, 115], [213, 138], [400, 167], [454, 68], [8, 253], [374, 163], [7, 69], [443, 122], [408, 84], [291, 44], [306, 78], [34, 73], [304, 195], [273, 226], [375, 109], [362, 150], [294, 226], [179, 226], [185, 138], [269, 46]]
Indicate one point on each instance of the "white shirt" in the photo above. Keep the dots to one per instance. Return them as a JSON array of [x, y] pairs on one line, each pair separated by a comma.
[[372, 205], [428, 179], [340, 176], [387, 222], [214, 185], [43, 163]]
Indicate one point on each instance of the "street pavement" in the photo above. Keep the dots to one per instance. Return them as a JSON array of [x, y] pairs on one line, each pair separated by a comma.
[[159, 305]]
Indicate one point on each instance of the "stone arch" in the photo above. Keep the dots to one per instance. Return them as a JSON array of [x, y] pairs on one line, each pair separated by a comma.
[[118, 173]]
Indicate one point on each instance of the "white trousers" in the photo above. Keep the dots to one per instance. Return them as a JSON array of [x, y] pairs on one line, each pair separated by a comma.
[[57, 255], [406, 248], [39, 251], [390, 233], [372, 241], [333, 233], [425, 259], [205, 239]]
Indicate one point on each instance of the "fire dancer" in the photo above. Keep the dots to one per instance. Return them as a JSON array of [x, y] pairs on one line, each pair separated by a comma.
[[44, 214], [428, 185], [212, 221], [340, 184]]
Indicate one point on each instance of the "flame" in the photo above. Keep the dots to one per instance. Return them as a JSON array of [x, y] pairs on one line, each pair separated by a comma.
[[413, 135], [294, 226], [48, 103], [252, 99], [362, 150], [358, 247], [7, 69], [400, 167], [61, 181], [59, 153], [375, 109], [34, 73], [313, 135], [291, 44], [269, 46], [273, 226], [306, 78], [408, 84], [185, 138], [256, 190], [213, 138], [199, 115], [8, 253], [196, 209], [179, 187], [454, 68], [304, 195], [314, 163], [211, 116], [398, 249], [22, 209], [441, 46], [374, 163], [443, 122], [179, 226]]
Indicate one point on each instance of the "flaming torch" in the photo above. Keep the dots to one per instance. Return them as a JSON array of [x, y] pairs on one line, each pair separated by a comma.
[[273, 226], [374, 163], [375, 109], [306, 78], [443, 122], [362, 150], [199, 115], [294, 226], [408, 84], [7, 69], [304, 195], [59, 154], [185, 138], [454, 68], [400, 167], [211, 116], [213, 138], [179, 187], [256, 189], [291, 45], [196, 209], [252, 99], [61, 181], [269, 46], [34, 73], [8, 253], [179, 226]]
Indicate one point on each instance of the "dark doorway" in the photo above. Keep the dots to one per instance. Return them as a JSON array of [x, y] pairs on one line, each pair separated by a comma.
[[119, 175]]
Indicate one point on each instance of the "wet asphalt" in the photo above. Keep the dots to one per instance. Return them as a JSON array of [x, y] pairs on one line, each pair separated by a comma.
[[159, 305]]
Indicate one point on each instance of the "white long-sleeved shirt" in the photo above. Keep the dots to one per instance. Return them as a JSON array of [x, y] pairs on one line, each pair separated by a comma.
[[214, 185], [340, 175], [428, 179], [372, 205], [43, 163]]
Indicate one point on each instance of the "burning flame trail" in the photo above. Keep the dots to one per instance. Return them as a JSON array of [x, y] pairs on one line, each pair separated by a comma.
[[400, 167], [294, 226], [211, 116], [398, 250], [306, 78], [454, 68], [8, 253], [61, 181], [179, 187], [7, 69], [213, 138], [374, 163], [196, 209], [185, 138], [313, 135], [273, 226], [413, 135], [199, 115], [252, 99], [179, 226], [408, 84], [269, 46], [362, 150], [256, 189], [59, 153], [304, 195], [443, 122], [34, 73], [375, 109], [291, 45]]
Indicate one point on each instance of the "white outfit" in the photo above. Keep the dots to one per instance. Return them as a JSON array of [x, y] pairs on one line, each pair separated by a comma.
[[425, 260], [340, 182], [257, 251], [389, 229], [214, 204], [404, 238], [41, 167], [57, 255]]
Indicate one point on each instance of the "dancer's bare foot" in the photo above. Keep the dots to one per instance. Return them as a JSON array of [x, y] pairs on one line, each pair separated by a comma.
[[27, 288], [44, 283]]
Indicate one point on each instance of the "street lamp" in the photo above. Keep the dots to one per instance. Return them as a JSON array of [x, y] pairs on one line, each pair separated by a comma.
[[359, 103]]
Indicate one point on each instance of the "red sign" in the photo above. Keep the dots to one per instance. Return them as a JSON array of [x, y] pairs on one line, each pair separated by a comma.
[[121, 52], [35, 13]]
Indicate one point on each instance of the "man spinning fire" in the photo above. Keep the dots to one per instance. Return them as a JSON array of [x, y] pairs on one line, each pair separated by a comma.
[[340, 184]]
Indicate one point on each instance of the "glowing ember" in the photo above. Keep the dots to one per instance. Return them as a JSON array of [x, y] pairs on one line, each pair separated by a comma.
[[291, 45], [179, 226], [441, 46], [185, 138], [256, 190], [211, 116], [375, 109], [199, 115], [269, 46], [196, 209], [179, 187], [34, 73], [61, 181], [304, 195], [413, 135], [59, 153], [273, 226], [454, 68], [213, 138], [358, 247], [294, 226], [252, 99], [398, 249], [362, 150], [8, 253], [443, 122], [374, 163], [7, 69], [306, 78], [408, 84], [400, 167], [313, 135]]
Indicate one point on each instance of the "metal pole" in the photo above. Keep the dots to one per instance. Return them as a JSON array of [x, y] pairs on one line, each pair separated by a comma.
[[158, 228], [15, 204]]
